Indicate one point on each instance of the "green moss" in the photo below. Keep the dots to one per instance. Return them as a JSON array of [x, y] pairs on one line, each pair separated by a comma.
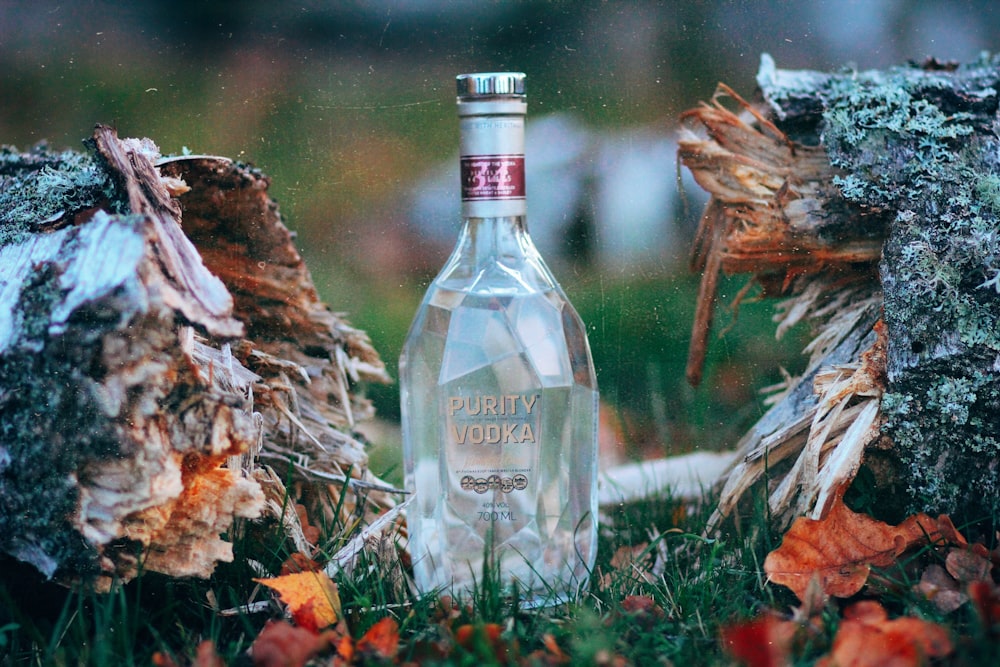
[[922, 144]]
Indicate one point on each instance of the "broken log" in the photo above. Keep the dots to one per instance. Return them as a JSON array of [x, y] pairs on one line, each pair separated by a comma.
[[870, 201], [165, 363]]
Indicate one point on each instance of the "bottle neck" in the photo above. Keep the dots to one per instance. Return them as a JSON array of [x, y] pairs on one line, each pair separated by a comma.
[[495, 255], [489, 240], [491, 157]]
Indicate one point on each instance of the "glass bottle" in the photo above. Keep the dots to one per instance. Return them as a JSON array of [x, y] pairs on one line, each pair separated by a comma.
[[498, 391]]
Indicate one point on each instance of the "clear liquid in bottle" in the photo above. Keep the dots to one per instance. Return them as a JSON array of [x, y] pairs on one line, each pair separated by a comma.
[[499, 407]]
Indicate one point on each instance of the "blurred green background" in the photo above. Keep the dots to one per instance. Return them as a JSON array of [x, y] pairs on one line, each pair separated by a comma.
[[349, 107]]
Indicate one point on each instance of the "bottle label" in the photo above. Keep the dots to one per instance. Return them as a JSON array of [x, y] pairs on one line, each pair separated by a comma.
[[493, 442], [491, 150], [492, 177]]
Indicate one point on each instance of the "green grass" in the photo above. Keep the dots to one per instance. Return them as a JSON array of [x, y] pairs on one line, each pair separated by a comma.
[[703, 584], [665, 607]]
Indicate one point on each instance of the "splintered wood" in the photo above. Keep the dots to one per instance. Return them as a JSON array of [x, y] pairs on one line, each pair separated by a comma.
[[165, 363], [774, 211], [775, 214]]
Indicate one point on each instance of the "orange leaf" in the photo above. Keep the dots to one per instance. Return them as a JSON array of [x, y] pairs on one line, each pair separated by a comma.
[[867, 638], [281, 644], [551, 655], [381, 640], [841, 549], [345, 650], [311, 597], [762, 642]]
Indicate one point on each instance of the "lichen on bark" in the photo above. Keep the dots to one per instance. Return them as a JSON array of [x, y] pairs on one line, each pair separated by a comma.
[[920, 143], [46, 188]]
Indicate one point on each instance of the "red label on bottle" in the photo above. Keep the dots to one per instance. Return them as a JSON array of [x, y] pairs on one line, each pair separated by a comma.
[[492, 177]]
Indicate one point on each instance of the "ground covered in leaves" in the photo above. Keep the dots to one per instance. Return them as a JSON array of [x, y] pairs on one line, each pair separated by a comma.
[[847, 589]]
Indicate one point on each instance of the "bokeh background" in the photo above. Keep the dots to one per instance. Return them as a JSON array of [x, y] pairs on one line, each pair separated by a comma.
[[349, 107]]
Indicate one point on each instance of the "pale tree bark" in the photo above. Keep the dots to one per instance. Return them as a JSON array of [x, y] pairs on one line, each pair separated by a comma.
[[161, 348]]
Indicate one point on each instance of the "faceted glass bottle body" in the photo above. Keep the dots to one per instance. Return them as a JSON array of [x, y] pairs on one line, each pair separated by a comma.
[[499, 403]]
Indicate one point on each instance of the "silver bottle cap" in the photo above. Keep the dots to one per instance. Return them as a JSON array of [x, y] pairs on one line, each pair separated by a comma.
[[490, 84]]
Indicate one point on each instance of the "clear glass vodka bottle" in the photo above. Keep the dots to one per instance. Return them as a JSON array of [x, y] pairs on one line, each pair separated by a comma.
[[498, 391]]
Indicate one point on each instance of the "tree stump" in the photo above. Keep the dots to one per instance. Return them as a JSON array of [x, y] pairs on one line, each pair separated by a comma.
[[871, 202], [161, 347]]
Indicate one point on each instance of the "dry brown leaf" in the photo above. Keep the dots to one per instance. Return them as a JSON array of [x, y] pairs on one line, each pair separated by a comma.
[[968, 565], [941, 589], [841, 549], [949, 533], [634, 559], [312, 598], [945, 587], [281, 644], [867, 638]]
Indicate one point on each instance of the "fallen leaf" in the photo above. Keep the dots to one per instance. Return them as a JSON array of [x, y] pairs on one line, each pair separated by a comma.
[[968, 565], [841, 549], [941, 589], [311, 597], [761, 642], [948, 532], [634, 559], [964, 564], [345, 651], [381, 641], [867, 638], [551, 655], [281, 644], [161, 659]]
